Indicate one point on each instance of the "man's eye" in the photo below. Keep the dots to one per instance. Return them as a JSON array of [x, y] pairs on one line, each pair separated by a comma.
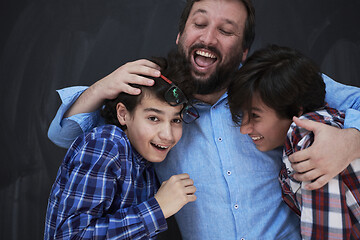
[[200, 25], [225, 32]]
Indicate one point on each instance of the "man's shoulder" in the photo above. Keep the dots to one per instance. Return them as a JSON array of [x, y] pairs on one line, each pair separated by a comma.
[[327, 115]]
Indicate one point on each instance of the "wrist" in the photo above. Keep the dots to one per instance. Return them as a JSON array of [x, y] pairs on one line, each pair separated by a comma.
[[354, 135], [97, 92], [162, 207]]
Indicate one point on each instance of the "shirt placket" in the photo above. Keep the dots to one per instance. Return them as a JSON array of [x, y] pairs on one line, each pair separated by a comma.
[[227, 163]]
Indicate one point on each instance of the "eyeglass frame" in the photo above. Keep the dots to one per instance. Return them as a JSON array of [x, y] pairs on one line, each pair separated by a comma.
[[187, 105]]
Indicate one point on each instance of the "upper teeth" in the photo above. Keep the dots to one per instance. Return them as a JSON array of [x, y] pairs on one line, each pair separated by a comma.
[[159, 146], [256, 138], [205, 54]]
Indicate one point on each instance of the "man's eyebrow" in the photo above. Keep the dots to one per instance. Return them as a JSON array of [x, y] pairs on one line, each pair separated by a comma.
[[199, 11], [226, 20], [231, 22]]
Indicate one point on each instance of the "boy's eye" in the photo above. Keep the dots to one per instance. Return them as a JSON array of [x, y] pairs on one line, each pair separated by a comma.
[[254, 115], [177, 120], [153, 119]]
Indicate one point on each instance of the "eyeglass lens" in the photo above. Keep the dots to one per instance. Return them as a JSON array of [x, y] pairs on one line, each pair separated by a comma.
[[189, 114], [174, 96]]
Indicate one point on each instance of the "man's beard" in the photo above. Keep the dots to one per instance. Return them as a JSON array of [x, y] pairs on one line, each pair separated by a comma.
[[219, 79]]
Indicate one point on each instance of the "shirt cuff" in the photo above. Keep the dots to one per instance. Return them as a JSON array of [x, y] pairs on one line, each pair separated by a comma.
[[352, 119], [63, 131], [68, 96], [152, 217]]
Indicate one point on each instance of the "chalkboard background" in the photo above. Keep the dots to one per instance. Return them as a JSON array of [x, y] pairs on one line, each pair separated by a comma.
[[48, 45]]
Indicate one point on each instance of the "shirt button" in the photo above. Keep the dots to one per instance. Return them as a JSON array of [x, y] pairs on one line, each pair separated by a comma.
[[236, 206], [228, 173], [242, 238], [220, 139]]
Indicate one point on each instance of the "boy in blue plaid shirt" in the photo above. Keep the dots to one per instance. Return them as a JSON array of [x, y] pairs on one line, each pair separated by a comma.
[[274, 85], [106, 187]]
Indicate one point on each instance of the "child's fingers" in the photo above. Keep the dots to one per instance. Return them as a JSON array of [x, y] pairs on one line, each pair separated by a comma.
[[187, 182], [190, 190], [191, 198]]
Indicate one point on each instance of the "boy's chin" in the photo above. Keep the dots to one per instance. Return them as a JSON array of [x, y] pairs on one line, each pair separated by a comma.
[[267, 149]]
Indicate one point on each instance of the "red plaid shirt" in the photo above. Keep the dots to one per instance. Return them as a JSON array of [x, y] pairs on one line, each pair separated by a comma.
[[332, 212]]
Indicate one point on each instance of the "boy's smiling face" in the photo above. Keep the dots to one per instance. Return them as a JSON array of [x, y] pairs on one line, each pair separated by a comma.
[[265, 128], [153, 128]]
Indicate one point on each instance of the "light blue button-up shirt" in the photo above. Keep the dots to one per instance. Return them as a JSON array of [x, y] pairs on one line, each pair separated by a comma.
[[238, 193]]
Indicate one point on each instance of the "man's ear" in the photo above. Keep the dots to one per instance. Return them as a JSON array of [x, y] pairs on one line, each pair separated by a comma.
[[177, 39], [122, 113], [245, 53]]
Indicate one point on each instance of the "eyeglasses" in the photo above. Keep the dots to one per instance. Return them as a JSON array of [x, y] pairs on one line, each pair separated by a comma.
[[174, 96]]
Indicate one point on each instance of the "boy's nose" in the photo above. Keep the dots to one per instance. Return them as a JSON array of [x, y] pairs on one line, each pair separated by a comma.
[[246, 128], [166, 133]]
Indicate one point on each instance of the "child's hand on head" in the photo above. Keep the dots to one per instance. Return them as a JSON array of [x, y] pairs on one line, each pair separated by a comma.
[[175, 193]]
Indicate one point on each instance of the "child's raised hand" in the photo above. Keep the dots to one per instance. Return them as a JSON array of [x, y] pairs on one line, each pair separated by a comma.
[[175, 193]]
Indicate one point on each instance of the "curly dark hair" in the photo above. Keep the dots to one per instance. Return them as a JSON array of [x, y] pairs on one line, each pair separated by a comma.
[[174, 67]]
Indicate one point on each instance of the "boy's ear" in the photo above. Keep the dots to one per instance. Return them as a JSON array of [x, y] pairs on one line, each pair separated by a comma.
[[122, 112]]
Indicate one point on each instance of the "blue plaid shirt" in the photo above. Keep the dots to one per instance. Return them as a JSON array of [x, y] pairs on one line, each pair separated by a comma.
[[104, 189]]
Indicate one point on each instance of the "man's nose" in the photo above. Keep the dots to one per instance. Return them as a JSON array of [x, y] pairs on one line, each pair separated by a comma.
[[209, 36]]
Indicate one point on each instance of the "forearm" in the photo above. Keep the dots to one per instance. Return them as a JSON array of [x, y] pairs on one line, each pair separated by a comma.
[[136, 222], [89, 101], [344, 98], [353, 135], [116, 82], [340, 96]]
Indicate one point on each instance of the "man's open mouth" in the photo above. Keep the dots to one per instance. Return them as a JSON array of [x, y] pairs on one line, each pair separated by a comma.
[[204, 59]]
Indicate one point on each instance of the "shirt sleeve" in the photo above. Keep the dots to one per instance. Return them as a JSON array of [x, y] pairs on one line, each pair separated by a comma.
[[324, 213], [344, 98], [63, 131], [87, 204]]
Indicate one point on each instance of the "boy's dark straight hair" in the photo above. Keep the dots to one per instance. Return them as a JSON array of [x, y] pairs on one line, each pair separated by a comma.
[[249, 31], [283, 78], [174, 67]]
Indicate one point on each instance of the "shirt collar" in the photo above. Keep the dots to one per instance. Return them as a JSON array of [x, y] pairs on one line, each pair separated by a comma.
[[219, 101]]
